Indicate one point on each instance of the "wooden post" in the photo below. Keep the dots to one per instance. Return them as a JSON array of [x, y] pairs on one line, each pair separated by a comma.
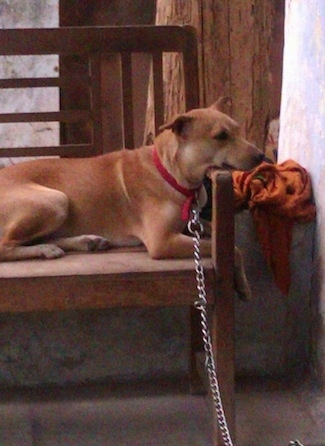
[[250, 30], [234, 38]]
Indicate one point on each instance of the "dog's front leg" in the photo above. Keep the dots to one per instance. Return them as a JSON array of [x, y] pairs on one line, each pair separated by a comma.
[[176, 246], [241, 283], [83, 243], [181, 246]]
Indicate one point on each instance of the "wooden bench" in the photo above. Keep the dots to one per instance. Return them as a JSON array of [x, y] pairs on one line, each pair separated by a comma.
[[109, 115]]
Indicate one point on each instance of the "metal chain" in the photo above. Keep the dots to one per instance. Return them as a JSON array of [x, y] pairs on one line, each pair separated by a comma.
[[196, 229]]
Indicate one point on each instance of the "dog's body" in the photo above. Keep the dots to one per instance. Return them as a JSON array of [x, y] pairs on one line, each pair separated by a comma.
[[121, 197]]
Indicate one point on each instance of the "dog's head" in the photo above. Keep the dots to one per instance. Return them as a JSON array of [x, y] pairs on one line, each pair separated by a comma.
[[208, 138]]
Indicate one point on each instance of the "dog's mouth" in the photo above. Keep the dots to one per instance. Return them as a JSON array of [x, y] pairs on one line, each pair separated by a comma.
[[227, 166], [224, 166]]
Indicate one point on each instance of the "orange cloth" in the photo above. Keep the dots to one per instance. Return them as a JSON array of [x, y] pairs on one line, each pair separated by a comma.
[[277, 196]]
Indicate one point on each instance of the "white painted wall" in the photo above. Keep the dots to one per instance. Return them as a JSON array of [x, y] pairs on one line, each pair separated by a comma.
[[27, 14], [302, 132]]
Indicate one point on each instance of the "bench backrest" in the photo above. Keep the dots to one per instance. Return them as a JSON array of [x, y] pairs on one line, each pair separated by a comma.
[[94, 61]]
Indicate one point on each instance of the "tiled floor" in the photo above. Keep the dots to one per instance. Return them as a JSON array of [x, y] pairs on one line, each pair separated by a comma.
[[268, 414]]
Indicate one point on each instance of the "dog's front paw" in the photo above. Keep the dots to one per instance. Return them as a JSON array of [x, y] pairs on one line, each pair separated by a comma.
[[96, 243], [92, 243], [48, 251]]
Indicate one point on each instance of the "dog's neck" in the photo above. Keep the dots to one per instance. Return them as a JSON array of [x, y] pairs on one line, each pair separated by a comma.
[[191, 195], [167, 147]]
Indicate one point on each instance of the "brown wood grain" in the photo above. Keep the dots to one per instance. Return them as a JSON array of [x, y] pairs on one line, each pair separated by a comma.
[[127, 277]]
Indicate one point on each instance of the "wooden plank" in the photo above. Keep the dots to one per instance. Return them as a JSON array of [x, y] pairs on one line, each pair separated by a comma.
[[103, 280], [158, 90], [127, 99], [112, 103], [82, 292], [119, 261], [87, 39], [62, 116], [141, 68], [42, 82], [65, 150], [96, 103]]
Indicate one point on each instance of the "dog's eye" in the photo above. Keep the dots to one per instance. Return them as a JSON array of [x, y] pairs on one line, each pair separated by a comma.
[[222, 136]]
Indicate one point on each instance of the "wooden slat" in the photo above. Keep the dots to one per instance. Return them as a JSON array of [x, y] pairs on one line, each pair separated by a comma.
[[114, 279], [87, 39], [127, 99], [112, 102], [30, 82], [41, 82], [67, 150], [62, 116], [96, 103], [118, 261], [158, 90]]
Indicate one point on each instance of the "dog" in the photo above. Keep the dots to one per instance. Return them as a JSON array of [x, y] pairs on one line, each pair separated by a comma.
[[122, 198]]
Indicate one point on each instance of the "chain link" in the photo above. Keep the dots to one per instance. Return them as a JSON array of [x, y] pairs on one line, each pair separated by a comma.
[[195, 228]]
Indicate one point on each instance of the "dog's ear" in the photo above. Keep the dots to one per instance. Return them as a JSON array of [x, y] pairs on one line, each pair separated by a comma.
[[180, 125], [223, 104]]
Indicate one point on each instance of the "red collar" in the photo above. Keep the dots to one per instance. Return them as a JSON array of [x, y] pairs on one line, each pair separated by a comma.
[[188, 193]]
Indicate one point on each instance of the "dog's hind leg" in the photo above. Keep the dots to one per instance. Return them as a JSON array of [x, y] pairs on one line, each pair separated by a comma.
[[42, 251], [28, 213]]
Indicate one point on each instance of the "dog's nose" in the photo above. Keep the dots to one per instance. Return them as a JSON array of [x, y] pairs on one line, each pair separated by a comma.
[[261, 157], [266, 159]]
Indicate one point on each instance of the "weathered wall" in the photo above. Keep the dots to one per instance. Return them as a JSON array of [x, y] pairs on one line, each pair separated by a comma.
[[26, 14], [273, 330], [302, 134]]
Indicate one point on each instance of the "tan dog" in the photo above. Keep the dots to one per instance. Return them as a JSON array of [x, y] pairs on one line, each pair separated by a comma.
[[125, 197]]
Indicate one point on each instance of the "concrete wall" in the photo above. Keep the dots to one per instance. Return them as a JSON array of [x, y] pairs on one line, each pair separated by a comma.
[[302, 134], [273, 330]]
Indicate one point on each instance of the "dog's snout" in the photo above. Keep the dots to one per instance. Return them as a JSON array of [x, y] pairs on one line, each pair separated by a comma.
[[260, 157], [266, 159]]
